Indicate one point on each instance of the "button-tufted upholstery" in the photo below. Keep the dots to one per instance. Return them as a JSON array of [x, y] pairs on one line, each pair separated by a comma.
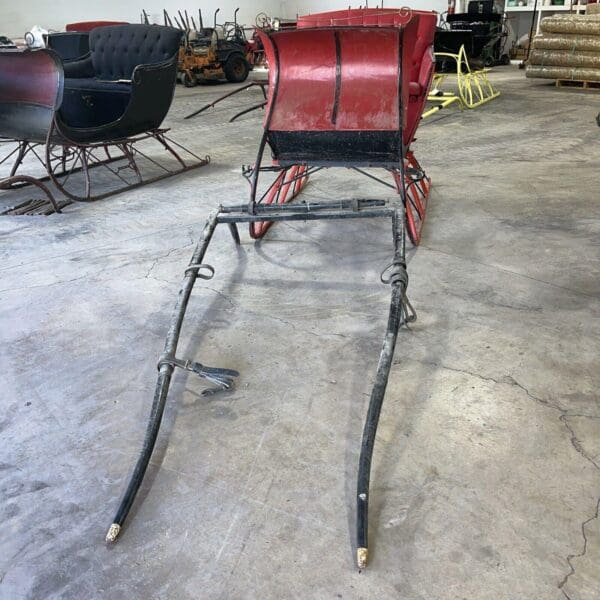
[[118, 49], [123, 87]]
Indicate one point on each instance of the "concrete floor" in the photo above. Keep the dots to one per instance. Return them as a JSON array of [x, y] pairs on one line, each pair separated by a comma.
[[486, 478]]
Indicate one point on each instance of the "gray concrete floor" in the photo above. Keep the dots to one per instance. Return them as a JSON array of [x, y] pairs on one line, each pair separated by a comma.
[[486, 476]]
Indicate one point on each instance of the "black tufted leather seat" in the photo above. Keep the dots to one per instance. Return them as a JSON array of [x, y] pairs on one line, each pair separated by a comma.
[[116, 51], [124, 86], [69, 45]]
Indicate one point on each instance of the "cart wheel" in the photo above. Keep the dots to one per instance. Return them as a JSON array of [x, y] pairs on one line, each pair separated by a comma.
[[263, 21], [489, 61], [236, 69], [505, 59], [189, 80]]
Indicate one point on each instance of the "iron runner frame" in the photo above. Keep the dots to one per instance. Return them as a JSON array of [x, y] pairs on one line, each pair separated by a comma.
[[62, 158]]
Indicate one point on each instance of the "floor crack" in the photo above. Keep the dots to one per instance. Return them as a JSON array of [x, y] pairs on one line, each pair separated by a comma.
[[225, 297], [575, 441], [164, 256], [564, 417], [582, 553], [302, 330], [508, 271]]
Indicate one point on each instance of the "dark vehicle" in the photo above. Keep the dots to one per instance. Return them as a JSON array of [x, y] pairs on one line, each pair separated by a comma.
[[482, 31]]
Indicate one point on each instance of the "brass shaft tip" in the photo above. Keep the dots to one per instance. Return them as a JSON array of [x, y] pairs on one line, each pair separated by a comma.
[[362, 555], [113, 533]]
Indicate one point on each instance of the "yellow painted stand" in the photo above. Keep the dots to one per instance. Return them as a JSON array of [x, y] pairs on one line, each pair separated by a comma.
[[442, 100], [474, 86]]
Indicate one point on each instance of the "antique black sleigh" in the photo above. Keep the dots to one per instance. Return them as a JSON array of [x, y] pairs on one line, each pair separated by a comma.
[[93, 112], [364, 79]]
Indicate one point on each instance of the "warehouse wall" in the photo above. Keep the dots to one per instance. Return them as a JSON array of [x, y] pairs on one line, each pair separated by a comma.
[[18, 17], [290, 8]]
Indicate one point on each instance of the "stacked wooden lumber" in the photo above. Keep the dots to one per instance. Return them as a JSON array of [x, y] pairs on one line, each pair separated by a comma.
[[592, 9], [567, 50]]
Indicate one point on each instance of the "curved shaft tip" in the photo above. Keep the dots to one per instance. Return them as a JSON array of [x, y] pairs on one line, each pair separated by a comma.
[[113, 533], [362, 555]]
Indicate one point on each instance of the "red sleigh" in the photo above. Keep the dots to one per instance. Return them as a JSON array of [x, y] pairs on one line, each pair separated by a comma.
[[346, 89]]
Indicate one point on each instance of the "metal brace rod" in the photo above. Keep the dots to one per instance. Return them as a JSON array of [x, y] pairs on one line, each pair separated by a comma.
[[306, 216], [304, 207]]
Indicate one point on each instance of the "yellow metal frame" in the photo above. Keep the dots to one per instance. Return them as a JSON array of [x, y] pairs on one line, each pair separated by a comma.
[[474, 86], [443, 100]]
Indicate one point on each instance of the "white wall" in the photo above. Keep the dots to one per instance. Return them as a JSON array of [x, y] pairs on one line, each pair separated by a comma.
[[290, 8], [18, 16]]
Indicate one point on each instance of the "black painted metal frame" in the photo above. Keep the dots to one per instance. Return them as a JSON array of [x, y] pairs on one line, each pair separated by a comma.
[[62, 159], [261, 84], [401, 313]]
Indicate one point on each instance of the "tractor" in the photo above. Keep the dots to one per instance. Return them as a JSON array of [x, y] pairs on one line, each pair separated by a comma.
[[211, 53]]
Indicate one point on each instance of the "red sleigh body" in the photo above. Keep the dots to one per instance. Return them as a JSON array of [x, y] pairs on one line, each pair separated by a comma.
[[347, 89]]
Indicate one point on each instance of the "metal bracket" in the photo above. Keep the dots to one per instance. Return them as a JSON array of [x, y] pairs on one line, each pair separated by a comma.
[[197, 267], [396, 275], [222, 378], [247, 171]]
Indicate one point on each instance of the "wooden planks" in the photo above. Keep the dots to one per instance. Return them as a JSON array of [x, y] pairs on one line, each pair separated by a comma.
[[586, 85]]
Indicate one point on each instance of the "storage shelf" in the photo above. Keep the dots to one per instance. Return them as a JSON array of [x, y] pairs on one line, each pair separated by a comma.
[[571, 6], [557, 8]]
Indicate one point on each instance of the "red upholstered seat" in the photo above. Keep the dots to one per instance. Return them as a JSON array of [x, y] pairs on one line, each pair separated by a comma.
[[422, 68], [358, 17]]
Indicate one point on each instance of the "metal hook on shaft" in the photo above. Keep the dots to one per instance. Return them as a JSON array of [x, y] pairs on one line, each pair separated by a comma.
[[222, 378]]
